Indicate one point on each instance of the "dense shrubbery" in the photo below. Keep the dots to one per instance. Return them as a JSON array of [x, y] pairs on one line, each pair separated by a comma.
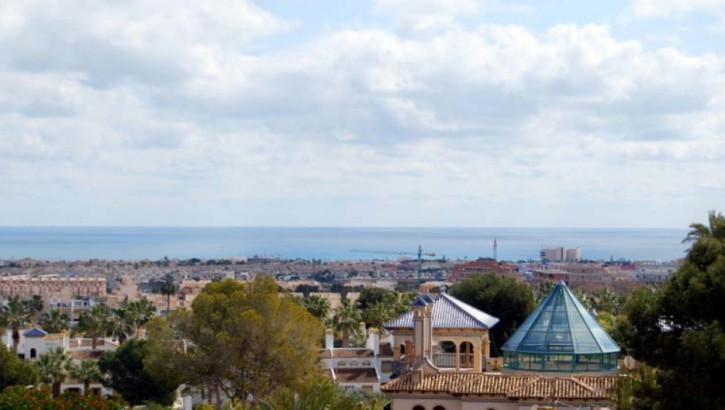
[[19, 398]]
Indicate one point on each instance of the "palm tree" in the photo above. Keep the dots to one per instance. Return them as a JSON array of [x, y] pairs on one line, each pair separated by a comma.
[[120, 323], [89, 372], [168, 288], [53, 367], [347, 319], [15, 316], [318, 306], [604, 300], [317, 396], [403, 301], [54, 321], [96, 322], [378, 314], [140, 311], [709, 240]]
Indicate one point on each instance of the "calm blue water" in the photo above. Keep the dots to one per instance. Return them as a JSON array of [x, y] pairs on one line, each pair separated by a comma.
[[70, 243]]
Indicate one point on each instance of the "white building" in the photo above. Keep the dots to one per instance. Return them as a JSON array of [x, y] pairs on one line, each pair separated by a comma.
[[364, 368], [35, 342]]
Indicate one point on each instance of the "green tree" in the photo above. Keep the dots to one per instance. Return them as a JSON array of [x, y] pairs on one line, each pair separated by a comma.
[[378, 314], [504, 297], [403, 302], [249, 340], [604, 300], [708, 241], [87, 371], [16, 315], [679, 329], [318, 306], [128, 376], [53, 367], [140, 312], [163, 354], [96, 322], [321, 394], [54, 321], [120, 323], [19, 398], [168, 288], [14, 371], [347, 320], [371, 296]]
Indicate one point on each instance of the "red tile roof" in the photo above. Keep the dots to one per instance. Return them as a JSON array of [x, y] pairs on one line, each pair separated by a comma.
[[511, 386]]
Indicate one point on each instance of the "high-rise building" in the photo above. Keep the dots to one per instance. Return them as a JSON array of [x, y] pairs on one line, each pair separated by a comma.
[[561, 254]]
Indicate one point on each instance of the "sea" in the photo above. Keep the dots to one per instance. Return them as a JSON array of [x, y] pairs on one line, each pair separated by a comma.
[[328, 244]]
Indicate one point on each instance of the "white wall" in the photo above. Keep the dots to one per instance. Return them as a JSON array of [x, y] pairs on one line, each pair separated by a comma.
[[427, 403]]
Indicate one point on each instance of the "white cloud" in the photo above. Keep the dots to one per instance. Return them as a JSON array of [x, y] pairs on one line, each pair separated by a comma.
[[184, 115], [664, 8]]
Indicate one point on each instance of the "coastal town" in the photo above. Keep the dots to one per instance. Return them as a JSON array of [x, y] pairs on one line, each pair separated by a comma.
[[362, 205], [370, 357]]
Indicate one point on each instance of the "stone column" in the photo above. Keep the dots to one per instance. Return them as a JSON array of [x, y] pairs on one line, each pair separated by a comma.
[[458, 357], [408, 351], [468, 355], [477, 359]]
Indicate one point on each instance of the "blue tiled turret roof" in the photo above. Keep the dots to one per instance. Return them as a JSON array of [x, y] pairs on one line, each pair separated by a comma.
[[561, 324], [448, 312], [35, 332]]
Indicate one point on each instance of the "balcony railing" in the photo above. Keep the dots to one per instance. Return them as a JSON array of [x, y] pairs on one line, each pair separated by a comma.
[[448, 360]]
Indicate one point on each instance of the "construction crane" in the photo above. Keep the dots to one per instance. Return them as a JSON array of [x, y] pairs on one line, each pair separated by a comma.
[[419, 254]]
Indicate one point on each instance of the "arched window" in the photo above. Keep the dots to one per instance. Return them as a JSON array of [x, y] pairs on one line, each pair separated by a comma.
[[419, 407], [439, 408], [33, 353]]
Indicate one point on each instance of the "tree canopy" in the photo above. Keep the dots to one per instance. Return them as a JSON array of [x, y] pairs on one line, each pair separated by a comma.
[[504, 297], [249, 340], [679, 328], [19, 398], [128, 376], [14, 371]]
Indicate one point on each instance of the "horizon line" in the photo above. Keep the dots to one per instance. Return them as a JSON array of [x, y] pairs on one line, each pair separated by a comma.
[[335, 227]]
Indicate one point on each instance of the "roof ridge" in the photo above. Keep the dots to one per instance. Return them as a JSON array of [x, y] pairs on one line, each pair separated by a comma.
[[576, 302]]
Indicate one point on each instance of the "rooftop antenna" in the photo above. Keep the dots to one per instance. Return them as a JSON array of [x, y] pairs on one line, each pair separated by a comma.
[[495, 249]]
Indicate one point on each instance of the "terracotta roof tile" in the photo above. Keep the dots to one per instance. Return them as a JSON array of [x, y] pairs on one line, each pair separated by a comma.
[[511, 386]]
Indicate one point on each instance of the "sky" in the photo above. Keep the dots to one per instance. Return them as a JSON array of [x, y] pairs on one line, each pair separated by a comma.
[[480, 113]]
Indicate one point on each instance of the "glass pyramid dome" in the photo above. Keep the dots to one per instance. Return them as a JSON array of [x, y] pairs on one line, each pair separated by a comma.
[[561, 335]]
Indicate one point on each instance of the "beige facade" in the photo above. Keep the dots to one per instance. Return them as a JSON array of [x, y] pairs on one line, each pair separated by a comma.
[[52, 289]]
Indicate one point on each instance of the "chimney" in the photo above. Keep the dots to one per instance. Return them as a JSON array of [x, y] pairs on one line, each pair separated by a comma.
[[419, 333], [329, 339], [374, 341]]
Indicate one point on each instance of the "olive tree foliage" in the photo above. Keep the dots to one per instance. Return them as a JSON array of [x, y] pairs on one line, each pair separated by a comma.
[[248, 340], [679, 328], [322, 394], [14, 371], [504, 297]]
